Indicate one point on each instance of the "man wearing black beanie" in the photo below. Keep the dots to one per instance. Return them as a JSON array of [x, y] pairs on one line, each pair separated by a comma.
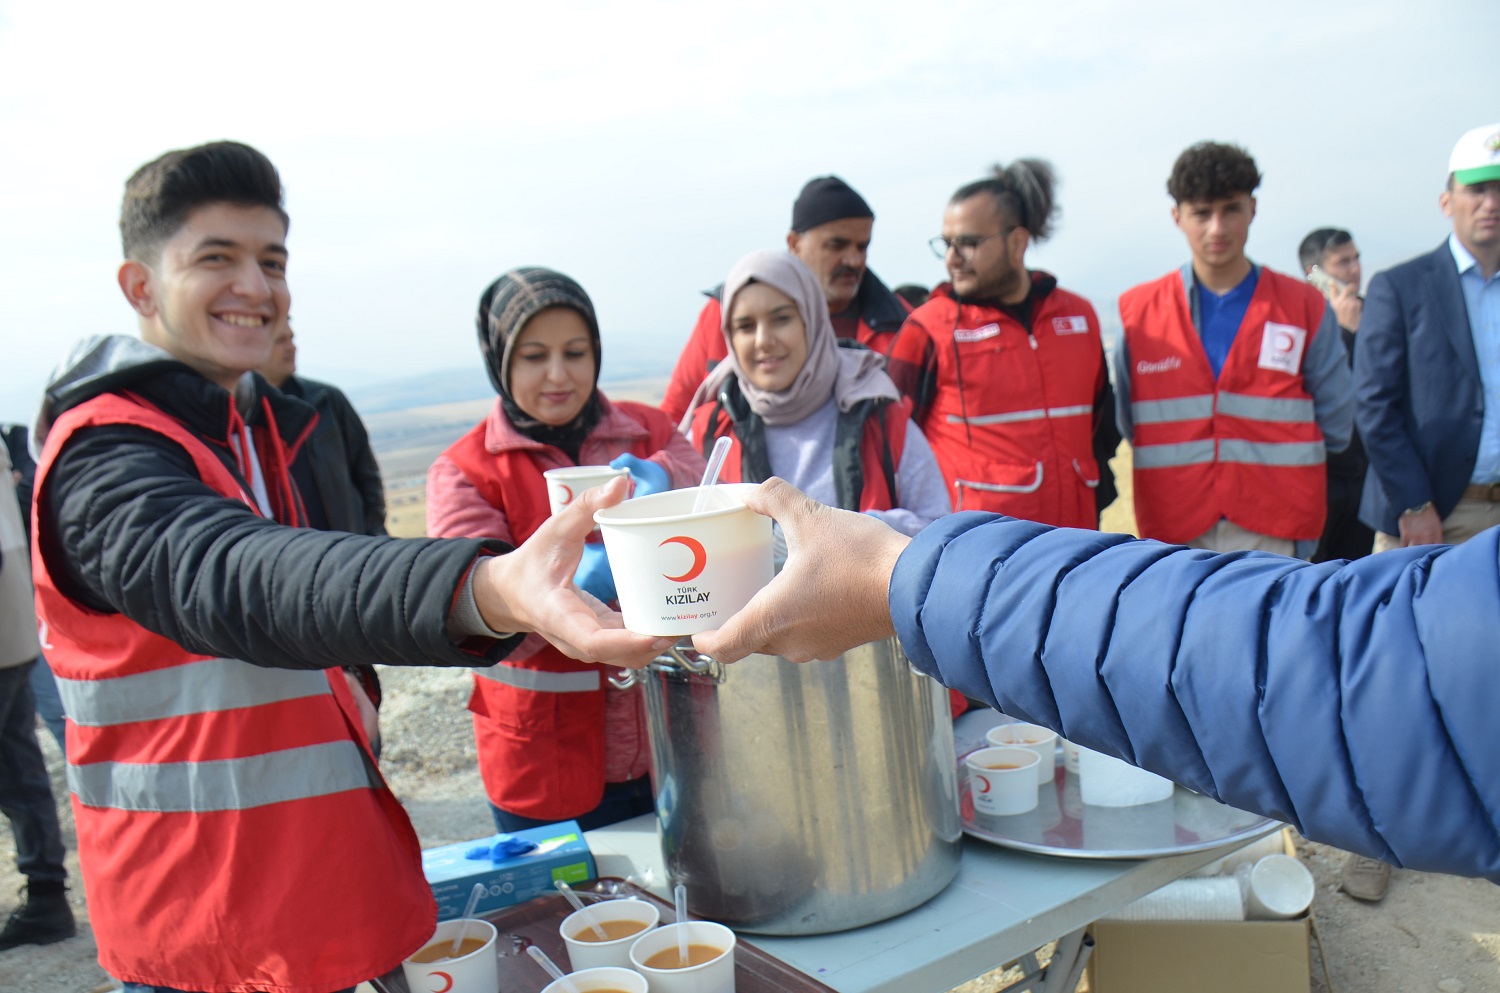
[[831, 225]]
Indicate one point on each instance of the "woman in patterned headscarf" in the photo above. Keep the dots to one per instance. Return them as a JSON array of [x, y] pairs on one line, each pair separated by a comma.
[[556, 740]]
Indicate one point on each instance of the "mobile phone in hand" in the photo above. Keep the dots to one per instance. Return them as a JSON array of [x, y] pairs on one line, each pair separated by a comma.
[[1330, 286]]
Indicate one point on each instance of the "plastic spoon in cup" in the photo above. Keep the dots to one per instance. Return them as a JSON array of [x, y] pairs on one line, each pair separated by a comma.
[[552, 969], [711, 473], [463, 932], [578, 904], [679, 895]]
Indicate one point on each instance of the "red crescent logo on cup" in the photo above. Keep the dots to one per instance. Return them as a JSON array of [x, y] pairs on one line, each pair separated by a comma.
[[983, 780], [700, 557], [447, 982], [567, 498]]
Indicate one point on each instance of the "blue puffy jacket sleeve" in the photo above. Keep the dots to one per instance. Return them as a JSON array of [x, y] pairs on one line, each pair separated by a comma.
[[1358, 701]]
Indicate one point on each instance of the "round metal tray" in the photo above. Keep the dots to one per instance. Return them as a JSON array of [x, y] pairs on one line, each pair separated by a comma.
[[1063, 825]]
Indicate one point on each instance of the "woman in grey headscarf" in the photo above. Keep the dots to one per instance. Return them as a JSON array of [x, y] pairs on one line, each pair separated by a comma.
[[556, 740], [798, 405]]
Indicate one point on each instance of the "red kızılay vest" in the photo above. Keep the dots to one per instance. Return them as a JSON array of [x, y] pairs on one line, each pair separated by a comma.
[[882, 439], [1012, 419], [233, 832], [1246, 446], [541, 740]]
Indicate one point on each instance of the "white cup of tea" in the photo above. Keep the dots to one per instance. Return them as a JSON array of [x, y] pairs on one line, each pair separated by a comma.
[[473, 970], [678, 572], [568, 483], [622, 920], [656, 956], [610, 979], [1032, 737], [1002, 779]]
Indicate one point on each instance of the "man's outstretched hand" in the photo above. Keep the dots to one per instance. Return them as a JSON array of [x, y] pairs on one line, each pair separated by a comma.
[[832, 594], [532, 589]]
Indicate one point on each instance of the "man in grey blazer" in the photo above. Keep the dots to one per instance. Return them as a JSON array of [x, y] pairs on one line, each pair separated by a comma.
[[1427, 370]]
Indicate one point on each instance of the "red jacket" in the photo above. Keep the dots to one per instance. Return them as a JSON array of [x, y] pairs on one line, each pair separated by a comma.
[[1246, 446], [539, 716], [1010, 411], [880, 315], [230, 819]]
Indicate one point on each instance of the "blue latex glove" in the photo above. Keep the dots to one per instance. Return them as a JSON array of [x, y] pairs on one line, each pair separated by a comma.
[[504, 847], [594, 574], [648, 476]]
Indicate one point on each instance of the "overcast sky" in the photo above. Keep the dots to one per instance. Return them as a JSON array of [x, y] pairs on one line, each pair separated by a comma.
[[643, 147]]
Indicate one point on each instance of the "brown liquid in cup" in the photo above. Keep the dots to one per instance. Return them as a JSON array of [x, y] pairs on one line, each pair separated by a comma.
[[440, 951], [668, 958], [1002, 765], [613, 931]]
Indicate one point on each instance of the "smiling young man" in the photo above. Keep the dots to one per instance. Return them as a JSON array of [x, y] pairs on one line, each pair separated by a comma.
[[1005, 369], [233, 831], [831, 229], [1231, 379]]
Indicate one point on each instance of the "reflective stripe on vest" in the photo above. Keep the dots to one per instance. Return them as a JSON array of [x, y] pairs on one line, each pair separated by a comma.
[[194, 688], [541, 680], [1183, 453], [222, 784], [1259, 408], [1016, 416], [1272, 453], [1190, 408]]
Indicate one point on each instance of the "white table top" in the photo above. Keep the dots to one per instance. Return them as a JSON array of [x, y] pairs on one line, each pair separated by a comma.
[[1002, 905]]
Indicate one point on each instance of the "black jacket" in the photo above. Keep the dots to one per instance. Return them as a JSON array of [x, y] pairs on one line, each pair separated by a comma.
[[126, 525], [336, 468]]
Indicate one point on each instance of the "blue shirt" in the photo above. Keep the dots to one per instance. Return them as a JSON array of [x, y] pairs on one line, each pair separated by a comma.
[[1219, 317], [1482, 300]]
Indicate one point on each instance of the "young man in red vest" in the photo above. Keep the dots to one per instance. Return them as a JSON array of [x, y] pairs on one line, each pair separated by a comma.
[[1231, 379], [233, 830], [831, 228]]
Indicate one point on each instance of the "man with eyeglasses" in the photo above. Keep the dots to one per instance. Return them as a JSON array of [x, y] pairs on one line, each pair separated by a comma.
[[1005, 369], [831, 227], [1232, 380], [1428, 368]]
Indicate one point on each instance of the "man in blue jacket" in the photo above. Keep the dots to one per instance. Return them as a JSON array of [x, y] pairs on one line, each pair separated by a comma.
[[1355, 700], [1428, 356]]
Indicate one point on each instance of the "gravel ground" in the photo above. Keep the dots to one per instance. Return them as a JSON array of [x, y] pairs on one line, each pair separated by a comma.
[[1431, 933]]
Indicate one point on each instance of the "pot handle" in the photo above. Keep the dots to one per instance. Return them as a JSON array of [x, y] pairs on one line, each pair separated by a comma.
[[679, 657]]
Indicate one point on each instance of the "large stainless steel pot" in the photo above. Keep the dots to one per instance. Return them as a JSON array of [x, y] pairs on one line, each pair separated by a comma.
[[802, 799]]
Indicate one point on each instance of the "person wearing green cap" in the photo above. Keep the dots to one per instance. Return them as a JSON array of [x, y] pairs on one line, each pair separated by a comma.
[[1427, 371]]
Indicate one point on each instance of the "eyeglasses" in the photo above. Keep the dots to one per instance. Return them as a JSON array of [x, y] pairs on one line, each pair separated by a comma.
[[964, 244]]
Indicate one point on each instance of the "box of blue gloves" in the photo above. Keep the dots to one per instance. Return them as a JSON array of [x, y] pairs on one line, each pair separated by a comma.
[[513, 867]]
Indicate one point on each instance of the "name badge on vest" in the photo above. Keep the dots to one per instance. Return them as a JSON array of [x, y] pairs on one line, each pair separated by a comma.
[[1281, 347], [1070, 325], [976, 334]]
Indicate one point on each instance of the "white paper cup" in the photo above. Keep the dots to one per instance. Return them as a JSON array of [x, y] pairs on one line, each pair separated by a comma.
[[1033, 738], [584, 954], [568, 483], [476, 972], [679, 573], [609, 978], [713, 976], [1000, 791], [1070, 756], [1276, 888], [1106, 781]]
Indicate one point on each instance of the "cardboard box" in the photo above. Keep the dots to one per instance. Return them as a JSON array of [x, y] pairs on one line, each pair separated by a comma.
[[561, 853], [1202, 956]]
